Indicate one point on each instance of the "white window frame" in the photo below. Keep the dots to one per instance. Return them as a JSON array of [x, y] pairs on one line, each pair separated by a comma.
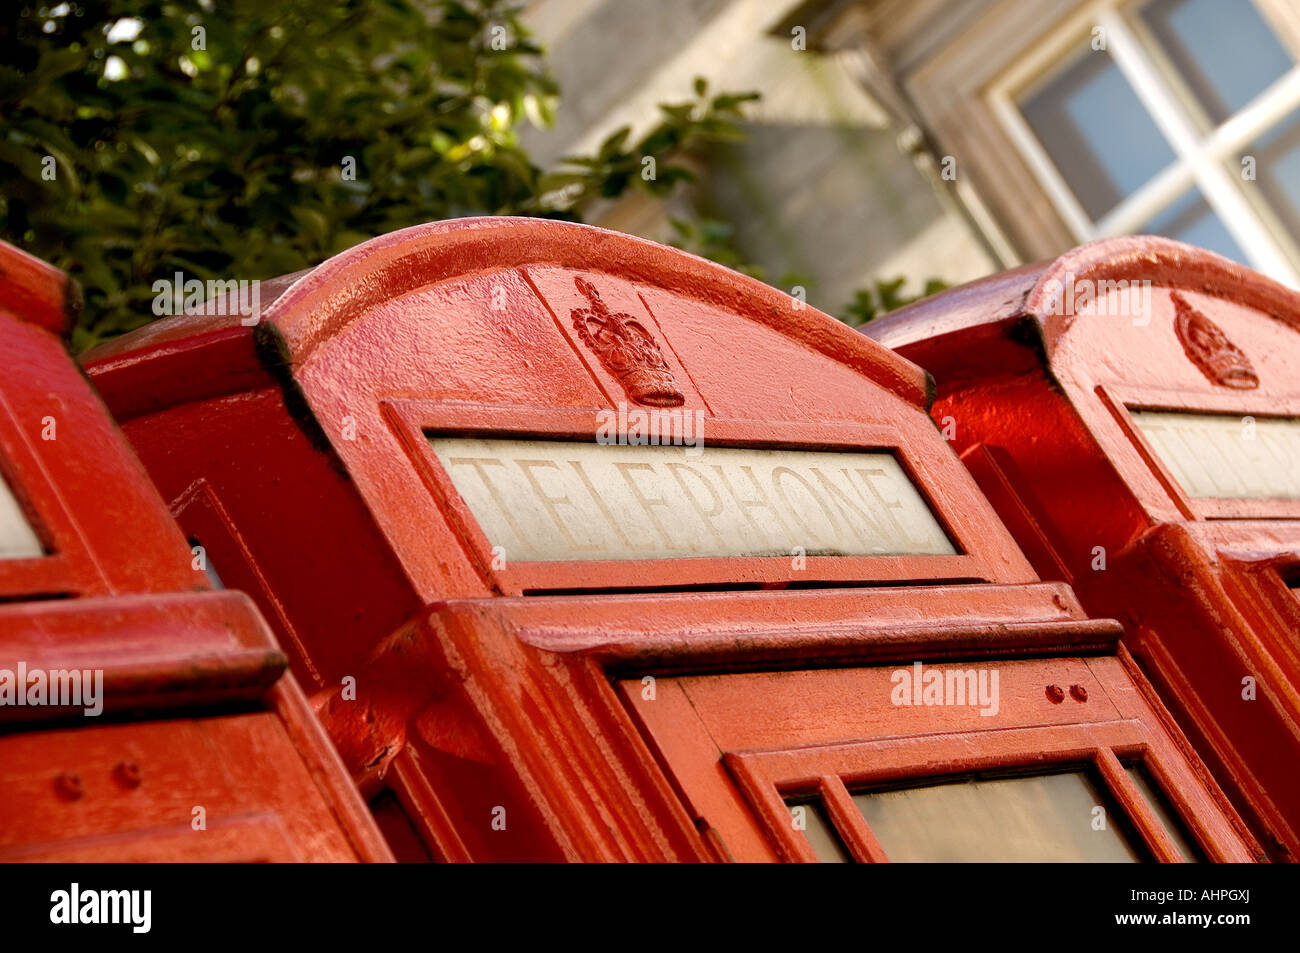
[[1199, 159]]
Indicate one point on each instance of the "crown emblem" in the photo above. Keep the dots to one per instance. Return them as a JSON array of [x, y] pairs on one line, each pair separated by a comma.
[[1209, 349], [626, 350]]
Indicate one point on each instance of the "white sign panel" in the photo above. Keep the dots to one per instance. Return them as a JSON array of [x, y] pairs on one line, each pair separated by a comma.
[[17, 540], [548, 500], [1225, 456]]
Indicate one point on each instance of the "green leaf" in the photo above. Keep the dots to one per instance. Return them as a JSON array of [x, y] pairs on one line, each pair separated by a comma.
[[226, 170], [615, 143]]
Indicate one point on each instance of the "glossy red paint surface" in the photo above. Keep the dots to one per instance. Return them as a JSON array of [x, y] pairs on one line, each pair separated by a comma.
[[116, 593], [1038, 394], [497, 704]]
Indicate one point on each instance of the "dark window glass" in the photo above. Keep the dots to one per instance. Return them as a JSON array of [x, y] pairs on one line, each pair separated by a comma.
[[1164, 812], [214, 580], [810, 817]]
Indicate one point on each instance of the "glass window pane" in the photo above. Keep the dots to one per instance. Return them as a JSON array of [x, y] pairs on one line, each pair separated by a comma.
[[1223, 49], [214, 579], [1164, 812], [1276, 157], [1096, 131], [1040, 818], [811, 818], [1209, 454], [17, 539], [1189, 219]]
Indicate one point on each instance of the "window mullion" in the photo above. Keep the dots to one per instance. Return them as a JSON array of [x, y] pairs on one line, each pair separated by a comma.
[[1165, 110], [852, 826], [1148, 201], [1031, 150], [1220, 192], [1135, 806], [1258, 116]]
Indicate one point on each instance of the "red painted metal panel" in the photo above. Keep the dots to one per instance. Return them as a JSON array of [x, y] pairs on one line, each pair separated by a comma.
[[478, 697], [63, 787], [1039, 385], [117, 599]]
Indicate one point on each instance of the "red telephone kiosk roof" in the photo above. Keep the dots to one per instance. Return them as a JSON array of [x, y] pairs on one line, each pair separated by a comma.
[[403, 462], [1110, 364], [1132, 409]]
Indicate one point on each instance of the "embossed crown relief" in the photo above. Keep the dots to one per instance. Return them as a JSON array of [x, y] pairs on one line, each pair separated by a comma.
[[627, 350], [1209, 349]]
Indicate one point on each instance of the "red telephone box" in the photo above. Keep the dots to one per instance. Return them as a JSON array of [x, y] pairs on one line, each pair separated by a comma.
[[102, 612], [1131, 410], [590, 549]]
